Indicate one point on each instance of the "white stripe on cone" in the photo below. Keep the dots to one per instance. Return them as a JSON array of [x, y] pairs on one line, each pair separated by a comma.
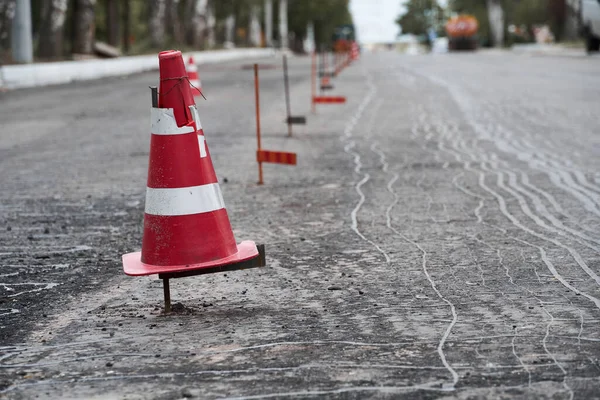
[[162, 121], [196, 117], [184, 201]]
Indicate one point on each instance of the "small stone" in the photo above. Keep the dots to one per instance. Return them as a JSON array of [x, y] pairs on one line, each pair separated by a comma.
[[9, 228], [109, 364], [225, 180], [46, 231], [361, 292], [334, 288], [190, 393]]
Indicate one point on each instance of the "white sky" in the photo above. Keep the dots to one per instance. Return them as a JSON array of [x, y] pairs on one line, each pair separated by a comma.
[[375, 19]]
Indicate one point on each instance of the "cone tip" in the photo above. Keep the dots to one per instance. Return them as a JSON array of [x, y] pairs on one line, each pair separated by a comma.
[[163, 55], [191, 60]]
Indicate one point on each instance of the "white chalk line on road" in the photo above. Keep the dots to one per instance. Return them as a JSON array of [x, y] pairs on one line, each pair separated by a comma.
[[479, 219], [498, 172], [503, 208], [525, 149], [348, 132], [465, 105], [533, 155], [396, 198], [551, 355]]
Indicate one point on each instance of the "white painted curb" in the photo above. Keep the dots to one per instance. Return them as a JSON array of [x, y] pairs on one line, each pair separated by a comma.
[[43, 74]]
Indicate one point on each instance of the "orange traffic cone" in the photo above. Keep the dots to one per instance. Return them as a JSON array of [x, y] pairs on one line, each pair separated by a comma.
[[186, 226], [192, 71], [354, 52]]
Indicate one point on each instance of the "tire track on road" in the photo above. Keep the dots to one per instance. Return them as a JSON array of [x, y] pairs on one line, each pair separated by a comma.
[[458, 157], [348, 134], [390, 187]]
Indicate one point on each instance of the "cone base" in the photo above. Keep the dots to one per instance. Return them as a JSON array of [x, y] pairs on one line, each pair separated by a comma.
[[133, 265]]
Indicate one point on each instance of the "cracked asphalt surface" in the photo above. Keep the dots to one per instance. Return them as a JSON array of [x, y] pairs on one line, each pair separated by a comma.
[[439, 238]]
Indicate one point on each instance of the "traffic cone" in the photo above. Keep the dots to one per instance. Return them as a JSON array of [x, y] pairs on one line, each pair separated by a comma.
[[192, 71], [354, 53], [186, 226]]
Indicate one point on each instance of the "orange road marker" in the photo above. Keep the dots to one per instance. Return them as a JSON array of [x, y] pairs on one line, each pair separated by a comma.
[[262, 156]]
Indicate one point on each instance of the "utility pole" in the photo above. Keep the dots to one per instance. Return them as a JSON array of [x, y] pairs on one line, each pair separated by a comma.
[[269, 23], [283, 25], [22, 42]]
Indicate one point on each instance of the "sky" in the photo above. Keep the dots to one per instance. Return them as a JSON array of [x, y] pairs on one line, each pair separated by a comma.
[[375, 19]]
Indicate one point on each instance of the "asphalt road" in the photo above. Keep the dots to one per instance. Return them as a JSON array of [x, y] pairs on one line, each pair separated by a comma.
[[439, 238]]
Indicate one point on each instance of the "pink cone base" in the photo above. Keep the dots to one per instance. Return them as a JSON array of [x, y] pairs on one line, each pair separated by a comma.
[[133, 265]]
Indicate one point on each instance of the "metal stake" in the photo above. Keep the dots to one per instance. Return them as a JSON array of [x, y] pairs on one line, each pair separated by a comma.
[[257, 100], [154, 91], [167, 293], [287, 94]]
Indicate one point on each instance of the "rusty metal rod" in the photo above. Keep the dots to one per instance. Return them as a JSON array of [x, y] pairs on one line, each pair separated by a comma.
[[154, 91], [287, 94], [257, 100], [167, 293]]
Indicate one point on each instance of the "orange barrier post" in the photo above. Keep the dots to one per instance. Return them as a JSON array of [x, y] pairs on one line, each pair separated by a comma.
[[257, 100], [325, 84], [329, 99], [278, 157], [322, 99], [313, 80], [290, 120]]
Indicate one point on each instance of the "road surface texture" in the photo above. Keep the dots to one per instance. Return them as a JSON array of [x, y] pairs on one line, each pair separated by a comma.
[[439, 238]]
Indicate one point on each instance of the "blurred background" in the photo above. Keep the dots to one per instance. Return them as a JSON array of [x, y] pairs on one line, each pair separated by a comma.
[[74, 29], [63, 29]]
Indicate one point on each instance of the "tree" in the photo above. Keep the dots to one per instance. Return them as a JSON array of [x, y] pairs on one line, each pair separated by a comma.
[[420, 16], [326, 16], [112, 22], [197, 22], [496, 20], [84, 26], [51, 31], [173, 21], [7, 12], [156, 25], [126, 25]]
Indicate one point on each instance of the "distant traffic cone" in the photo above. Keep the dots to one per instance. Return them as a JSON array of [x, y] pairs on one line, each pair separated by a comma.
[[354, 53], [192, 71], [186, 226]]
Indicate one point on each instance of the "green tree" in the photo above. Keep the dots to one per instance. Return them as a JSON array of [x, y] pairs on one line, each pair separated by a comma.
[[420, 16], [326, 15]]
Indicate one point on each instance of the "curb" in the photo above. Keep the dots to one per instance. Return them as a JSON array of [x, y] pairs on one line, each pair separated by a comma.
[[547, 49], [44, 74]]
